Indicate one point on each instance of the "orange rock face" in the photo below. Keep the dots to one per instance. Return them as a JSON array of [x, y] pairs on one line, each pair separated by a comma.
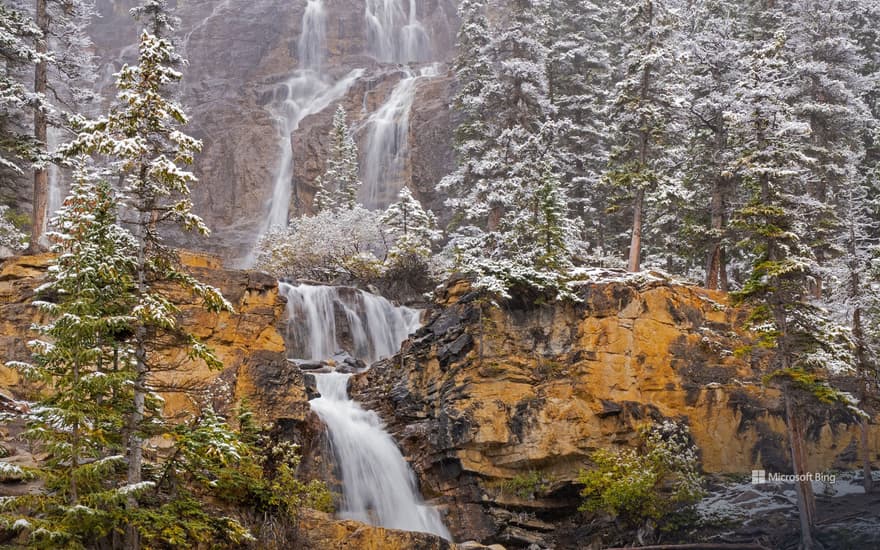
[[247, 341], [480, 398]]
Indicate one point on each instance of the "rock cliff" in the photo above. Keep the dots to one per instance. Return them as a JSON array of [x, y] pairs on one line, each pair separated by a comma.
[[239, 54], [499, 407], [247, 341]]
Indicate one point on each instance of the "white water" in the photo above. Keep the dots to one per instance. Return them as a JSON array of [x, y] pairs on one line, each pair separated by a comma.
[[388, 142], [378, 486], [56, 191], [394, 32], [306, 92], [376, 326]]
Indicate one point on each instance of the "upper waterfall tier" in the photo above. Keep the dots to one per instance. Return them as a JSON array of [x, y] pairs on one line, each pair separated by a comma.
[[395, 33], [323, 320]]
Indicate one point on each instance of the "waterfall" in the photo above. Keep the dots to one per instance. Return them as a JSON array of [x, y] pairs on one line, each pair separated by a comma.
[[307, 91], [55, 192], [395, 34], [378, 485], [323, 320], [312, 40], [388, 142]]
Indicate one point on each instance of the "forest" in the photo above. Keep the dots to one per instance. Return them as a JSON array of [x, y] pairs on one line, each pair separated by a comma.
[[727, 145]]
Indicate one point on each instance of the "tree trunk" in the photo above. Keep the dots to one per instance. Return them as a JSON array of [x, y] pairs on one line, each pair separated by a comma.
[[635, 246], [805, 499], [41, 175], [74, 444], [868, 483], [716, 250], [864, 372], [135, 442], [725, 283]]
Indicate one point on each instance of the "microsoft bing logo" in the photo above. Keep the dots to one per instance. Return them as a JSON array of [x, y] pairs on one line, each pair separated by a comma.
[[761, 476]]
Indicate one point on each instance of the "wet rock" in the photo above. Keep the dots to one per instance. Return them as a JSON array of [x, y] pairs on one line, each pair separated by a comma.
[[536, 389]]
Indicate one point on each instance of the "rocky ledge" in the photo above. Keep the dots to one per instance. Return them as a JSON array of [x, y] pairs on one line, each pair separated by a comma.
[[247, 341], [499, 407]]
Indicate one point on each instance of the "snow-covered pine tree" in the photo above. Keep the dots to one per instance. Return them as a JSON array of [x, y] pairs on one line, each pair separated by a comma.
[[83, 355], [17, 32], [11, 238], [473, 134], [713, 48], [338, 187], [541, 234], [413, 228], [141, 137], [578, 75], [854, 294], [645, 113], [505, 163], [808, 346], [63, 79], [830, 98]]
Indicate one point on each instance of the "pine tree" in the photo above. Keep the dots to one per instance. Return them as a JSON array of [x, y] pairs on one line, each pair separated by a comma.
[[473, 133], [141, 136], [338, 187], [16, 31], [855, 298], [578, 74], [413, 228], [774, 224], [502, 164], [84, 357], [831, 88], [714, 48], [63, 79], [644, 112]]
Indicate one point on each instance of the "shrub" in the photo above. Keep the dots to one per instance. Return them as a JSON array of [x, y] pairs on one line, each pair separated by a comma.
[[650, 482]]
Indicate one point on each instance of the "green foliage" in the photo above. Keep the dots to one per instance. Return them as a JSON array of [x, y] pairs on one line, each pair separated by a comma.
[[646, 483], [528, 485]]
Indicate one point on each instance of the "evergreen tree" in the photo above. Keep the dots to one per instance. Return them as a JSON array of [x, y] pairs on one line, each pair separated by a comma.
[[578, 75], [774, 227], [473, 133], [63, 79], [831, 88], [505, 165], [142, 139], [11, 239], [16, 54], [856, 300], [644, 113], [83, 356], [338, 187], [413, 228], [713, 49]]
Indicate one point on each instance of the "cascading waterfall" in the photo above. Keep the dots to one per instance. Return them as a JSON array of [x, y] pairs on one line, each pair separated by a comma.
[[313, 38], [376, 326], [307, 91], [55, 195], [395, 34], [388, 142], [377, 484]]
